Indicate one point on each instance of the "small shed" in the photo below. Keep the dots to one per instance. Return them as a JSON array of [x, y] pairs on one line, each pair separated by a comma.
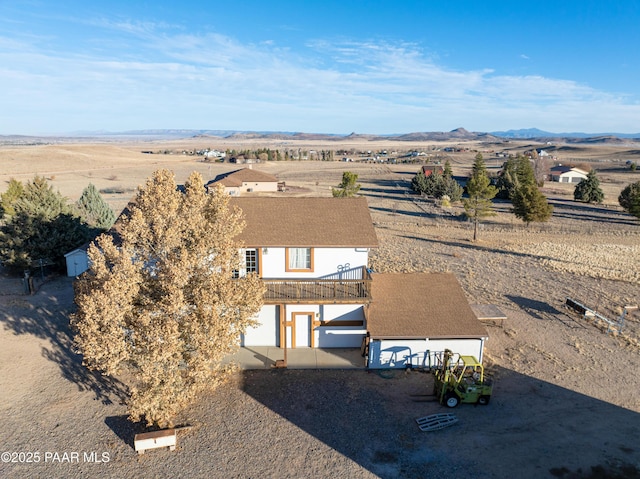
[[567, 174], [77, 261], [414, 317]]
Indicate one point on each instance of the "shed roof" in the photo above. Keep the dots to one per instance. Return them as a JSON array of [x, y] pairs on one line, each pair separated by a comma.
[[306, 222], [243, 175], [420, 305]]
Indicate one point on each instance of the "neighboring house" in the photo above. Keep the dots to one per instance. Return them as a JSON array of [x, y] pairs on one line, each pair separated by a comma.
[[567, 174], [245, 180]]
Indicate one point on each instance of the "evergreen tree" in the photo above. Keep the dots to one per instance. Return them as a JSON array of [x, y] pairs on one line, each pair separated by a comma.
[[94, 210], [448, 186], [507, 179], [163, 307], [529, 204], [480, 192], [629, 199], [447, 169], [7, 199], [39, 198], [524, 172], [588, 190], [348, 187], [420, 185], [43, 227], [437, 185]]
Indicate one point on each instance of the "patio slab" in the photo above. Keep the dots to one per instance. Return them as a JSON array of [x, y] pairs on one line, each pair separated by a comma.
[[265, 357]]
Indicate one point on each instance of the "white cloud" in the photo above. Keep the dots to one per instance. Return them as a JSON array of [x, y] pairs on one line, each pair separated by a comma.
[[167, 78]]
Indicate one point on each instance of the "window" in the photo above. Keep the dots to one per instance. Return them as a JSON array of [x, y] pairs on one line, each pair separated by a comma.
[[250, 265], [299, 259], [251, 260]]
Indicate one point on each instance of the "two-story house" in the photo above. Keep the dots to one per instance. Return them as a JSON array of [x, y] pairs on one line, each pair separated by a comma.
[[312, 254]]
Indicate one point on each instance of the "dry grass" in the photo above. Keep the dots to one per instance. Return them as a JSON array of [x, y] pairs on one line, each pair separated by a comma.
[[565, 389]]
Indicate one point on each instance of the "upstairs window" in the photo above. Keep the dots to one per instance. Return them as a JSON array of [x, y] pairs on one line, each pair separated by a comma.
[[299, 259], [249, 265], [251, 260]]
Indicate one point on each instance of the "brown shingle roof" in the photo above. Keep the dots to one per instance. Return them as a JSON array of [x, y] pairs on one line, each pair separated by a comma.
[[421, 305], [244, 175], [306, 222]]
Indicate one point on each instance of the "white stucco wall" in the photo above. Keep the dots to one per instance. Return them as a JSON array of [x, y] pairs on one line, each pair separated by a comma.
[[341, 312], [257, 186], [267, 332], [571, 178], [417, 353], [468, 347], [326, 261], [568, 177], [397, 353], [340, 336]]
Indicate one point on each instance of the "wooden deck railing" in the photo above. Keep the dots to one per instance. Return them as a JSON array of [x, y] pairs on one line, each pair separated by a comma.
[[353, 286]]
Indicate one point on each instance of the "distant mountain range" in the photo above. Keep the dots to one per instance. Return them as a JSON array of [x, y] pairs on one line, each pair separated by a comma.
[[459, 134], [526, 133]]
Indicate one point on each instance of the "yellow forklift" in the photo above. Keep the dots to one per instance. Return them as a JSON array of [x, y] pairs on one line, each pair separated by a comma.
[[461, 379]]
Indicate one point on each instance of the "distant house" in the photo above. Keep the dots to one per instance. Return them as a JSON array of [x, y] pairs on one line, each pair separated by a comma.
[[567, 174], [215, 154], [245, 180]]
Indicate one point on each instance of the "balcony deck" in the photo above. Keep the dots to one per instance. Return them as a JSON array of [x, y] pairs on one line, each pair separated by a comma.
[[345, 289]]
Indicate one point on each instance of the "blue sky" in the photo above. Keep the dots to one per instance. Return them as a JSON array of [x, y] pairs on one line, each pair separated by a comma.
[[319, 66]]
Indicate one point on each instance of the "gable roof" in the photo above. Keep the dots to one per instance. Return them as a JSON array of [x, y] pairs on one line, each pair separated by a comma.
[[306, 222], [243, 175], [419, 306]]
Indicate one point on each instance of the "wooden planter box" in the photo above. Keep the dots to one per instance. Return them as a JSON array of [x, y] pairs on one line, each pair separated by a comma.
[[154, 440]]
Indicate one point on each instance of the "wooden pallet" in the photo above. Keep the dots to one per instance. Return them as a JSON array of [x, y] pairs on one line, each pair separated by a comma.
[[435, 422]]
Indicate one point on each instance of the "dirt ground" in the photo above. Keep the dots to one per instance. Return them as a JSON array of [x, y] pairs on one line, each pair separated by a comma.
[[565, 399]]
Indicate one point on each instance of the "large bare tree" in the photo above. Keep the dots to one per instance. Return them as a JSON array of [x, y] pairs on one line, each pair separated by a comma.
[[160, 307]]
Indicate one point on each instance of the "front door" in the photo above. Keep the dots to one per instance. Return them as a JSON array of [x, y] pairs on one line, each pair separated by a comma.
[[300, 332]]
